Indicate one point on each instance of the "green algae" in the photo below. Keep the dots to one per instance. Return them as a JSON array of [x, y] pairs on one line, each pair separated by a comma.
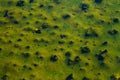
[[36, 36]]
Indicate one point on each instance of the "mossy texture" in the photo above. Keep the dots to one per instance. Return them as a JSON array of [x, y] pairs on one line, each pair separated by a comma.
[[59, 39]]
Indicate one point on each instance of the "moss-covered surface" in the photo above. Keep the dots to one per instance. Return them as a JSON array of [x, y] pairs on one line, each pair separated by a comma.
[[59, 39]]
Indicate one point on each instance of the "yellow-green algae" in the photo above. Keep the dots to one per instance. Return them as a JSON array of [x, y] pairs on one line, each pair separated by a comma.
[[26, 47]]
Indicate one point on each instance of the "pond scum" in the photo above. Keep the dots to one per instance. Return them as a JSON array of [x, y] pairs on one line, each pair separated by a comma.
[[59, 39]]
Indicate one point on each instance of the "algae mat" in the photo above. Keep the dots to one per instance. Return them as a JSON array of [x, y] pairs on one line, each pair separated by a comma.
[[59, 39]]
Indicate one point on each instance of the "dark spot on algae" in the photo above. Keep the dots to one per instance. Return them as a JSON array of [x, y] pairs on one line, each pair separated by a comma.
[[66, 16], [53, 58], [98, 1], [4, 77], [20, 3], [112, 32], [69, 77], [84, 7], [84, 50], [26, 55], [115, 20], [85, 78], [90, 33]]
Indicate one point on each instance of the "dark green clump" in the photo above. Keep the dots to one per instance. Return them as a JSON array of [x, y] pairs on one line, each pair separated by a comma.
[[69, 77], [113, 32], [20, 3], [53, 58], [85, 50], [84, 7], [98, 1]]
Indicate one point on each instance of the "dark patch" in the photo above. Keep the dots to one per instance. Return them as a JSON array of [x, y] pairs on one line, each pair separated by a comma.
[[85, 78], [69, 62], [116, 20], [113, 32], [45, 26], [61, 49], [104, 51], [37, 31], [53, 58], [15, 22], [55, 27], [31, 1], [69, 77], [66, 16], [36, 22], [35, 65], [27, 47], [61, 42], [113, 77], [71, 42], [67, 54], [90, 33], [99, 57], [4, 77], [23, 79], [84, 6], [105, 43], [77, 59], [16, 45], [50, 7], [14, 65], [37, 53], [63, 36], [9, 41], [56, 1], [19, 40], [85, 50], [20, 3], [41, 6], [26, 55], [98, 1], [0, 49], [86, 64], [5, 13]]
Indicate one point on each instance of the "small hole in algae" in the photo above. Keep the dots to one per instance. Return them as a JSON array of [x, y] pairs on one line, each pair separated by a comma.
[[98, 1], [69, 77], [85, 50], [84, 6], [53, 58]]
